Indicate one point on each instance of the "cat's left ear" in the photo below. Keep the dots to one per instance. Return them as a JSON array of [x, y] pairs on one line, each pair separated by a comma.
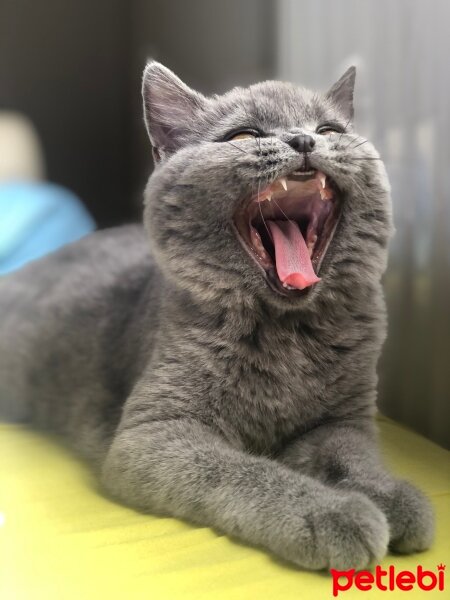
[[170, 107], [341, 93]]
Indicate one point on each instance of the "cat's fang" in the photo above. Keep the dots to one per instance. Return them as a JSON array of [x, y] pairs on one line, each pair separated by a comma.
[[266, 194], [278, 186]]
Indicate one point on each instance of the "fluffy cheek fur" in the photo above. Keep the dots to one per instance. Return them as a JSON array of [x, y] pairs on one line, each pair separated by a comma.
[[191, 199], [191, 230], [358, 253]]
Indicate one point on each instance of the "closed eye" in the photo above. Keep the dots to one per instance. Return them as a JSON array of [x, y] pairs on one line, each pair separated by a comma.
[[328, 128], [242, 134]]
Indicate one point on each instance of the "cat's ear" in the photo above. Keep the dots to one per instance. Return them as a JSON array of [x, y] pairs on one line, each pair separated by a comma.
[[170, 107], [341, 93]]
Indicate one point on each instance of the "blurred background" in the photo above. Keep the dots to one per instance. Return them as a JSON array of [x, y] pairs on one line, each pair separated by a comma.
[[71, 129]]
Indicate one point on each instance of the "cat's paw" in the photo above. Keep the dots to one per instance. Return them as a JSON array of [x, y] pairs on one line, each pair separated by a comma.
[[353, 533], [411, 519]]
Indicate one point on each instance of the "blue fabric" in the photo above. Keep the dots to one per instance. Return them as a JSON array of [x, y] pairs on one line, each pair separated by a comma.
[[37, 218]]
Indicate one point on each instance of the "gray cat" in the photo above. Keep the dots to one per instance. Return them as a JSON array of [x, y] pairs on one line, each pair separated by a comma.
[[219, 365]]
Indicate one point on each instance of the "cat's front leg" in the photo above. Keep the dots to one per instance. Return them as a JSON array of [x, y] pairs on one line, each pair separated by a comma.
[[182, 468], [346, 456]]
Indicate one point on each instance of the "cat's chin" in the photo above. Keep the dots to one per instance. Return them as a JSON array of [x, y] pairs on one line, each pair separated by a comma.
[[287, 227]]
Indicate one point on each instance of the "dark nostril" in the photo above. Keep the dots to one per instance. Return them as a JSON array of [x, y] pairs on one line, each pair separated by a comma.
[[302, 143]]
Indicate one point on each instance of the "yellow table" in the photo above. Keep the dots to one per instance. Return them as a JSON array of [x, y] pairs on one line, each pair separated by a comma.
[[60, 539]]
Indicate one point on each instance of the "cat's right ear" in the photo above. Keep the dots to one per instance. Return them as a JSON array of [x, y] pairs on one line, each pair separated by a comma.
[[170, 107], [341, 93]]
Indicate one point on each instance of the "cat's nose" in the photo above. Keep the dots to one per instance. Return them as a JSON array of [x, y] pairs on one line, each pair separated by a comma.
[[302, 143]]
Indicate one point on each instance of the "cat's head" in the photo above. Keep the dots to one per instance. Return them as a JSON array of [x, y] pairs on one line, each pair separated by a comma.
[[264, 193]]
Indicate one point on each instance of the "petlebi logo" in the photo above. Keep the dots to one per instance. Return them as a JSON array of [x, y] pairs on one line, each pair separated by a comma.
[[388, 580]]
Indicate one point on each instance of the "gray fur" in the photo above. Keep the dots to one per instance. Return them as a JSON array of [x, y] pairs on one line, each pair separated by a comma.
[[193, 388]]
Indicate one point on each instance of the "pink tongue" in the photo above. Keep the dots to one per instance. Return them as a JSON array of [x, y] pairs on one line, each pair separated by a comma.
[[292, 260]]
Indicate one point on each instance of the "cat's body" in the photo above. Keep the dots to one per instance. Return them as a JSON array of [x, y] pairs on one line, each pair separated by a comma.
[[196, 389], [66, 365], [93, 348]]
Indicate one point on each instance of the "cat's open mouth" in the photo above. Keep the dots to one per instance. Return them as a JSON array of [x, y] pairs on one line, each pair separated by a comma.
[[287, 228]]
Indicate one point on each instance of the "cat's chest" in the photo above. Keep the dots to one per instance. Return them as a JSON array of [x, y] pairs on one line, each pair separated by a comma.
[[268, 394]]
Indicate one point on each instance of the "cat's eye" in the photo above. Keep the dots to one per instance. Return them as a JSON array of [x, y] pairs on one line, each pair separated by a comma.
[[242, 134], [329, 128]]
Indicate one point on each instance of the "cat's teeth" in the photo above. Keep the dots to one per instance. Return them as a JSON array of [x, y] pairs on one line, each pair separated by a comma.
[[311, 244], [265, 195], [283, 182], [257, 243], [326, 194], [322, 179]]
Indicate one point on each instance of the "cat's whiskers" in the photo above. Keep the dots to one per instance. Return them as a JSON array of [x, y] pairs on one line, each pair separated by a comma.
[[237, 147], [282, 211], [344, 131], [352, 141], [360, 144], [365, 158], [264, 221]]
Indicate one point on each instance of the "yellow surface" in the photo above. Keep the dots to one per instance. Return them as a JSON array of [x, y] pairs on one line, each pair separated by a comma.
[[62, 540]]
